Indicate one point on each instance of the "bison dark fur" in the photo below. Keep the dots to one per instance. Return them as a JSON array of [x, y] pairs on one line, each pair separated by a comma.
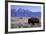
[[33, 20]]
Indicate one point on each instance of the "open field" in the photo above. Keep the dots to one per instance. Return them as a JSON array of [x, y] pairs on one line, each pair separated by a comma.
[[22, 22]]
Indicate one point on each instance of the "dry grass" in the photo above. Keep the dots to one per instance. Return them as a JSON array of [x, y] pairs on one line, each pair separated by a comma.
[[17, 22]]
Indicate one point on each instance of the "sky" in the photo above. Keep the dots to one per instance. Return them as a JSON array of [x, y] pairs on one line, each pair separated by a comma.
[[30, 8]]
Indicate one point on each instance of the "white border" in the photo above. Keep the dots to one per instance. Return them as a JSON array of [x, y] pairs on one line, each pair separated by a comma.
[[23, 29]]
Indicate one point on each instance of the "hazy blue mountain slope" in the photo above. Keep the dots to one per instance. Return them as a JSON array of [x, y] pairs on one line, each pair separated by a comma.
[[21, 12]]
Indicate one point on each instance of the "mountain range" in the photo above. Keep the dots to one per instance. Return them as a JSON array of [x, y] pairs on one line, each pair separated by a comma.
[[24, 13]]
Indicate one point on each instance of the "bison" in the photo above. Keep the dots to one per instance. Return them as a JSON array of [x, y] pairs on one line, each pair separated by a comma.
[[33, 20]]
